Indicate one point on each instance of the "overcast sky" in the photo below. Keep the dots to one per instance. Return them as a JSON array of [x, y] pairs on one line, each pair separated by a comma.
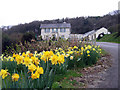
[[13, 12]]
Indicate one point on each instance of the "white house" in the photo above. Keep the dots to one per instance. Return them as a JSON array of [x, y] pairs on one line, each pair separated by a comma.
[[57, 30], [95, 33], [63, 30]]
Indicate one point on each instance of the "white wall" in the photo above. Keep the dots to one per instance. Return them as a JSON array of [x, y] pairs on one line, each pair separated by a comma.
[[66, 34], [78, 36], [101, 30]]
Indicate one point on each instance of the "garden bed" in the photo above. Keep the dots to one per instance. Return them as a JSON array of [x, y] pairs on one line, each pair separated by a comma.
[[40, 69]]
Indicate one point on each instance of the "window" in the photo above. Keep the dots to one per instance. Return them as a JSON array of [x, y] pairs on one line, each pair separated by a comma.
[[62, 30], [56, 29], [53, 30], [47, 30]]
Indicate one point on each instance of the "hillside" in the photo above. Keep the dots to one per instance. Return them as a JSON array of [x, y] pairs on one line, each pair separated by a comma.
[[79, 24], [110, 38]]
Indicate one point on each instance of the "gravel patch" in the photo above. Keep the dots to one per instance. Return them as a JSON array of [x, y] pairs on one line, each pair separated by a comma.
[[95, 74]]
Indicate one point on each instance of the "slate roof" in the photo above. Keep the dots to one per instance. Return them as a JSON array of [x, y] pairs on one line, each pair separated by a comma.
[[60, 25], [88, 33]]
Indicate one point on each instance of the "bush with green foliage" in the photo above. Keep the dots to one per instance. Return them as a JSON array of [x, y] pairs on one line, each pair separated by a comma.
[[28, 37]]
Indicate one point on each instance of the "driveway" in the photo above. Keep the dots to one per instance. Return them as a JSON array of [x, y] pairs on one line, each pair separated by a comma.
[[111, 79]]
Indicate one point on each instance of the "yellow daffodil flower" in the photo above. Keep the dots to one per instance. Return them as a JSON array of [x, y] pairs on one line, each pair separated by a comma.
[[88, 55], [71, 57], [93, 49], [88, 51], [35, 75], [32, 67], [40, 70], [15, 77], [54, 59], [27, 61], [3, 73], [61, 59]]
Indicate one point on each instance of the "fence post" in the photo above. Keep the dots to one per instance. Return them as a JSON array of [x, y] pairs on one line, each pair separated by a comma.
[[95, 38]]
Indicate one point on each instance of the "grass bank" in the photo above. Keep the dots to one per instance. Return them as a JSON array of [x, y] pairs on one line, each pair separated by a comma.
[[110, 38]]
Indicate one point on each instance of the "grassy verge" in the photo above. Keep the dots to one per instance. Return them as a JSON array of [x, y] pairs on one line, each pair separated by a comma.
[[110, 38], [65, 80]]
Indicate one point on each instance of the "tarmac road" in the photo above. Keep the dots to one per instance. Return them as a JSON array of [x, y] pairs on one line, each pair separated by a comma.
[[111, 79]]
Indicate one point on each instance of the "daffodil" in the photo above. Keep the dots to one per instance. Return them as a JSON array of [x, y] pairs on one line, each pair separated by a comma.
[[48, 54], [14, 55], [88, 55], [86, 48], [32, 67], [24, 55], [40, 70], [77, 52], [15, 77], [3, 73], [93, 49], [82, 48], [61, 59], [27, 61], [81, 53], [71, 57], [99, 49], [35, 75], [89, 47], [88, 51], [30, 54], [19, 59], [43, 58], [75, 47], [63, 52], [27, 53], [54, 59], [35, 60], [39, 54], [58, 53], [70, 52]]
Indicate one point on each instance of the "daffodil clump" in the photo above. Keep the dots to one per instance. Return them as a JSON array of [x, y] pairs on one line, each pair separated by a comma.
[[37, 70], [32, 67], [90, 54]]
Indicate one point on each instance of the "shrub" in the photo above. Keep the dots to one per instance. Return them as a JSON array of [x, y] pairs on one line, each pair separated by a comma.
[[5, 42], [28, 37]]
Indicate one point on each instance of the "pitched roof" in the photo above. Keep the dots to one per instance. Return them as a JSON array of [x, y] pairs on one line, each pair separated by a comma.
[[60, 25], [88, 33]]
